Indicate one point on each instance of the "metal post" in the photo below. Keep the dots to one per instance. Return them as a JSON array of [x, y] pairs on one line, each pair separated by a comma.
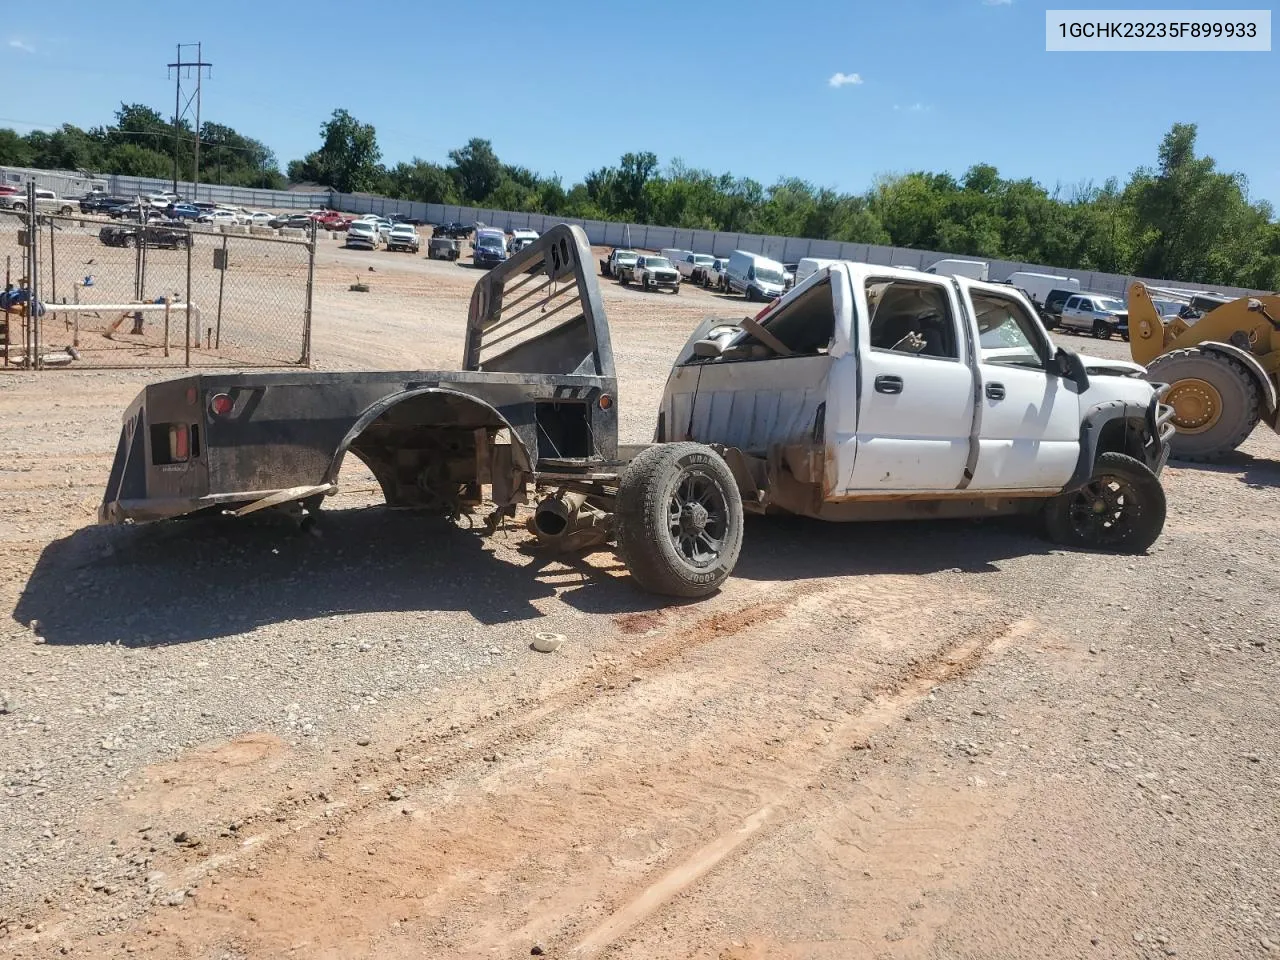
[[190, 238], [177, 130], [32, 323], [8, 319], [53, 266], [222, 279], [306, 313], [166, 325], [195, 178]]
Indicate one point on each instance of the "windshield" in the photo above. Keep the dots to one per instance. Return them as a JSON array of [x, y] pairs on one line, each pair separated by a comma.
[[658, 262], [489, 243], [1109, 304], [703, 260], [627, 255], [768, 275]]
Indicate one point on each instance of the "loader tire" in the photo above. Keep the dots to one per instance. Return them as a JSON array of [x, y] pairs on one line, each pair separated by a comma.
[[1216, 402], [679, 520], [1121, 509]]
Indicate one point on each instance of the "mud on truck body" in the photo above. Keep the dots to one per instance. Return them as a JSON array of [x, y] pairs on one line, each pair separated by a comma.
[[532, 414]]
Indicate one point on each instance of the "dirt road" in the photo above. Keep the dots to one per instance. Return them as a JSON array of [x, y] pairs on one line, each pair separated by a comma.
[[885, 740]]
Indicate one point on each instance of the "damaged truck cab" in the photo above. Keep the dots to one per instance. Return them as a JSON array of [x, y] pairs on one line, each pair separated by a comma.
[[873, 393]]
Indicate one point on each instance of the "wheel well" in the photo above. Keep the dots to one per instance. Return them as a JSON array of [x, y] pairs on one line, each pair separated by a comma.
[[433, 449], [1123, 435]]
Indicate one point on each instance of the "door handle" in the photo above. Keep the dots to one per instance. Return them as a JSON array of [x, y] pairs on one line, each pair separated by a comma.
[[995, 391], [888, 384]]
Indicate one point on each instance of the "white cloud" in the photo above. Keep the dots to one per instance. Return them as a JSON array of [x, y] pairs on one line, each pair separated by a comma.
[[22, 45], [844, 79], [997, 3], [913, 107]]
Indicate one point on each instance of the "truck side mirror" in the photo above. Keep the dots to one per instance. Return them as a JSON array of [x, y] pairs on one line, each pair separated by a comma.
[[1068, 365]]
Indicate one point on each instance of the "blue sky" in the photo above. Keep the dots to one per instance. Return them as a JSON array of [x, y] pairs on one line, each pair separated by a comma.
[[743, 87]]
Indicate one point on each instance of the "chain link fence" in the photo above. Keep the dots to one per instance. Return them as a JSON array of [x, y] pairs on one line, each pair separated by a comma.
[[89, 291]]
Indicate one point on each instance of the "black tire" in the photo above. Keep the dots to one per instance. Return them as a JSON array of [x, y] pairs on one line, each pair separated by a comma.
[[1238, 402], [644, 284], [676, 289], [65, 211], [1124, 335], [1101, 330], [623, 279], [1121, 509], [679, 520], [751, 294], [19, 208], [128, 240]]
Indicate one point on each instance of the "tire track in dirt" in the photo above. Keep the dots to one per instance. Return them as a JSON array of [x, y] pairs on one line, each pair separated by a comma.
[[946, 665], [545, 823]]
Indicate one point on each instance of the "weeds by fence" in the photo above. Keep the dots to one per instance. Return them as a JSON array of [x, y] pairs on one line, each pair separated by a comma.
[[113, 293]]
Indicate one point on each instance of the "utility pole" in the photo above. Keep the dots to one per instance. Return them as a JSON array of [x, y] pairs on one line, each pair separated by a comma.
[[187, 70]]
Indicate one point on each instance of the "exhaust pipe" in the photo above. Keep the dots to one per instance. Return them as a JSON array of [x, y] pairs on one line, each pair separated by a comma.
[[567, 522]]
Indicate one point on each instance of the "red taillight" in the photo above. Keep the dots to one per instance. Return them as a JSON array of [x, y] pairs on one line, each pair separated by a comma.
[[179, 443], [221, 404]]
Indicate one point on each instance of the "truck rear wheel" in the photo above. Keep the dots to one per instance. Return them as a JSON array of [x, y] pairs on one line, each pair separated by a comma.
[[1121, 508], [679, 520], [1216, 403]]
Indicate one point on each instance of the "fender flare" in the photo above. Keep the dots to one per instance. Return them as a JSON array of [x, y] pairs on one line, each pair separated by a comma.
[[1091, 429], [1265, 383], [376, 410]]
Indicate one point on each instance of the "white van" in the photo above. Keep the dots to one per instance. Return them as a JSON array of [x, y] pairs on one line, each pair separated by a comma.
[[973, 269], [756, 276], [811, 265], [1037, 286]]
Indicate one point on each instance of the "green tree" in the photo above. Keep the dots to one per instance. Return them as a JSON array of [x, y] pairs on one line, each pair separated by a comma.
[[477, 170], [420, 180], [347, 159], [132, 160], [1193, 218], [14, 151]]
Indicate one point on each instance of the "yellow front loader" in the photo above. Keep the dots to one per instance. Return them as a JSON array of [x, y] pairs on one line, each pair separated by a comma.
[[1221, 368]]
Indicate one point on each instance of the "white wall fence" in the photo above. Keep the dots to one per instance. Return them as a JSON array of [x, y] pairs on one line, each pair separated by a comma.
[[721, 244], [233, 196], [603, 233]]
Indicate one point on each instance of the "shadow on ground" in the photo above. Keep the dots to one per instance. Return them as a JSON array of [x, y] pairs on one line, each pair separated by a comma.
[[1253, 471], [215, 576], [797, 548]]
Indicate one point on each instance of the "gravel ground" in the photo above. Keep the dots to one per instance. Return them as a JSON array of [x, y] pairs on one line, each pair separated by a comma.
[[884, 740]]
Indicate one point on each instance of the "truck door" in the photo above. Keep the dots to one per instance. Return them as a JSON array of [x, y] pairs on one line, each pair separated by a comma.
[[915, 391], [1029, 421]]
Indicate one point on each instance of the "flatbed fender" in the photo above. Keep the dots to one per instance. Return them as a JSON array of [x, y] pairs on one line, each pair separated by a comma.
[[1266, 385], [522, 459]]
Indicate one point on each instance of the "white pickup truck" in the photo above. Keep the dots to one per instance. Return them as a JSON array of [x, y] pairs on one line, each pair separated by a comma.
[[46, 202], [874, 393]]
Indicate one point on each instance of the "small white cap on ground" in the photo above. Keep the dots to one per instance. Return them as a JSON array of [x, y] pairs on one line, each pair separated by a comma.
[[547, 642]]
